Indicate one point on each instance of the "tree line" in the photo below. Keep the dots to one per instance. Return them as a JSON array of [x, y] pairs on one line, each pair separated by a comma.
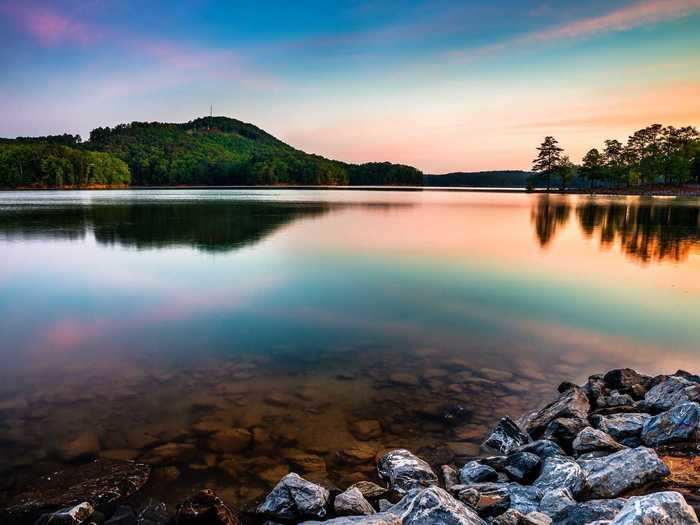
[[656, 154]]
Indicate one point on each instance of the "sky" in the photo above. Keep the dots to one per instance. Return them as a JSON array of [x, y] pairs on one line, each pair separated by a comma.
[[443, 85]]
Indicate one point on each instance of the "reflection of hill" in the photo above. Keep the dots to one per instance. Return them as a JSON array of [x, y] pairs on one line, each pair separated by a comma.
[[652, 230], [208, 226], [549, 215]]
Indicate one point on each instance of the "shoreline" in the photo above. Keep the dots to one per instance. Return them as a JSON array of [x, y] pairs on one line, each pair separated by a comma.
[[620, 449], [690, 190]]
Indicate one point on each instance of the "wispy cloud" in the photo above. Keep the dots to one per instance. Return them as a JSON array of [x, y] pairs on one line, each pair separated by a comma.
[[49, 26], [626, 18]]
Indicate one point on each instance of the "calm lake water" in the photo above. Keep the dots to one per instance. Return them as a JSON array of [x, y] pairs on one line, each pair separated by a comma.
[[324, 326]]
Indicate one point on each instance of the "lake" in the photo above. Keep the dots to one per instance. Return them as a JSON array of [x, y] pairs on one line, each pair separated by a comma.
[[316, 328]]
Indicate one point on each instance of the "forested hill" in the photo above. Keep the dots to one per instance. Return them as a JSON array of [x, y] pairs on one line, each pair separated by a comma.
[[494, 179], [205, 151]]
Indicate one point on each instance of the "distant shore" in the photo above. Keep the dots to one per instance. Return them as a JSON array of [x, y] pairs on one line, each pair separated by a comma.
[[657, 190]]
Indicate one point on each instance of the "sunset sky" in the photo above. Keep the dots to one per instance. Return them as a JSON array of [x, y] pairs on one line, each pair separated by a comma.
[[443, 85]]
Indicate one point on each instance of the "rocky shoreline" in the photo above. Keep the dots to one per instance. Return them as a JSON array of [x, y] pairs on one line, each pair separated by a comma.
[[618, 450]]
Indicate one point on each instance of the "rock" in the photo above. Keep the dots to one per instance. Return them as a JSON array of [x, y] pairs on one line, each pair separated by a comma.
[[556, 500], [626, 381], [404, 471], [366, 429], [572, 404], [522, 467], [505, 437], [496, 498], [352, 503], [171, 453], [544, 448], [205, 508], [433, 505], [559, 472], [294, 498], [623, 428], [618, 473], [122, 515], [369, 490], [509, 517], [97, 483], [661, 508], [231, 440], [590, 440], [594, 388], [450, 476], [681, 423], [358, 454], [564, 431], [383, 518], [584, 513], [475, 472], [155, 513], [84, 446], [469, 496], [536, 518], [306, 462], [404, 379], [74, 515], [384, 504], [615, 400], [670, 392]]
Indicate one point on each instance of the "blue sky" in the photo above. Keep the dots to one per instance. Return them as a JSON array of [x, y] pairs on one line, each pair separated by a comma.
[[442, 85]]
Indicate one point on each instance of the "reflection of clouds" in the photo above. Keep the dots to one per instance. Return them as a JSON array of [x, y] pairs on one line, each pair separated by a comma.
[[73, 333]]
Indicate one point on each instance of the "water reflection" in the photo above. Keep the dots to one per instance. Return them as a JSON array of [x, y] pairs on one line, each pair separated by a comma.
[[207, 225], [646, 230], [549, 215]]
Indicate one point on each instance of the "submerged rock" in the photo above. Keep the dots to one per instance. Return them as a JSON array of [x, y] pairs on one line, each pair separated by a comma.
[[505, 437], [618, 473], [681, 423], [405, 471], [69, 516], [231, 440], [572, 404], [369, 489], [584, 513], [366, 429], [295, 498], [661, 508], [592, 440], [670, 392], [352, 503], [205, 508], [97, 483], [433, 505], [475, 472]]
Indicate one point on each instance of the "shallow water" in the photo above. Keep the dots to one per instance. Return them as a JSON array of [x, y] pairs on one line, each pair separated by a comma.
[[327, 325]]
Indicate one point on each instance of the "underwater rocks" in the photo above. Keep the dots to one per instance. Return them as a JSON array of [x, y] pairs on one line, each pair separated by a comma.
[[205, 508]]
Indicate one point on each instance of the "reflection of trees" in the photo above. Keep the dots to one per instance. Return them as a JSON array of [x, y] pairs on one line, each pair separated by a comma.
[[205, 225], [651, 230], [548, 215]]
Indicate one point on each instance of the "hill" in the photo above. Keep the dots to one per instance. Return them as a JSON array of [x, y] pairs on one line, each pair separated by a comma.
[[204, 151]]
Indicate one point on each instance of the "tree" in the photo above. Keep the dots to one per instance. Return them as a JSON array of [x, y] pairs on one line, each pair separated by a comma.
[[614, 161], [548, 159], [593, 166], [566, 170]]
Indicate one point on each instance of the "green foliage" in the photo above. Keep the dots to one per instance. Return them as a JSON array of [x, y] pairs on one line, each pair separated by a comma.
[[223, 151], [44, 164], [549, 160]]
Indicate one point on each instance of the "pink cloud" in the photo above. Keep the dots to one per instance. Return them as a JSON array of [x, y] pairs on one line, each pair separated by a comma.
[[50, 27], [629, 17]]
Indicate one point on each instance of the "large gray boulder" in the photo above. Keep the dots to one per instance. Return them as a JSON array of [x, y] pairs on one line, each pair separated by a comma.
[[352, 503], [433, 505], [295, 499], [505, 437], [586, 512], [405, 471], [661, 508], [623, 428], [559, 472], [670, 392], [592, 440], [572, 404], [681, 423], [614, 475]]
